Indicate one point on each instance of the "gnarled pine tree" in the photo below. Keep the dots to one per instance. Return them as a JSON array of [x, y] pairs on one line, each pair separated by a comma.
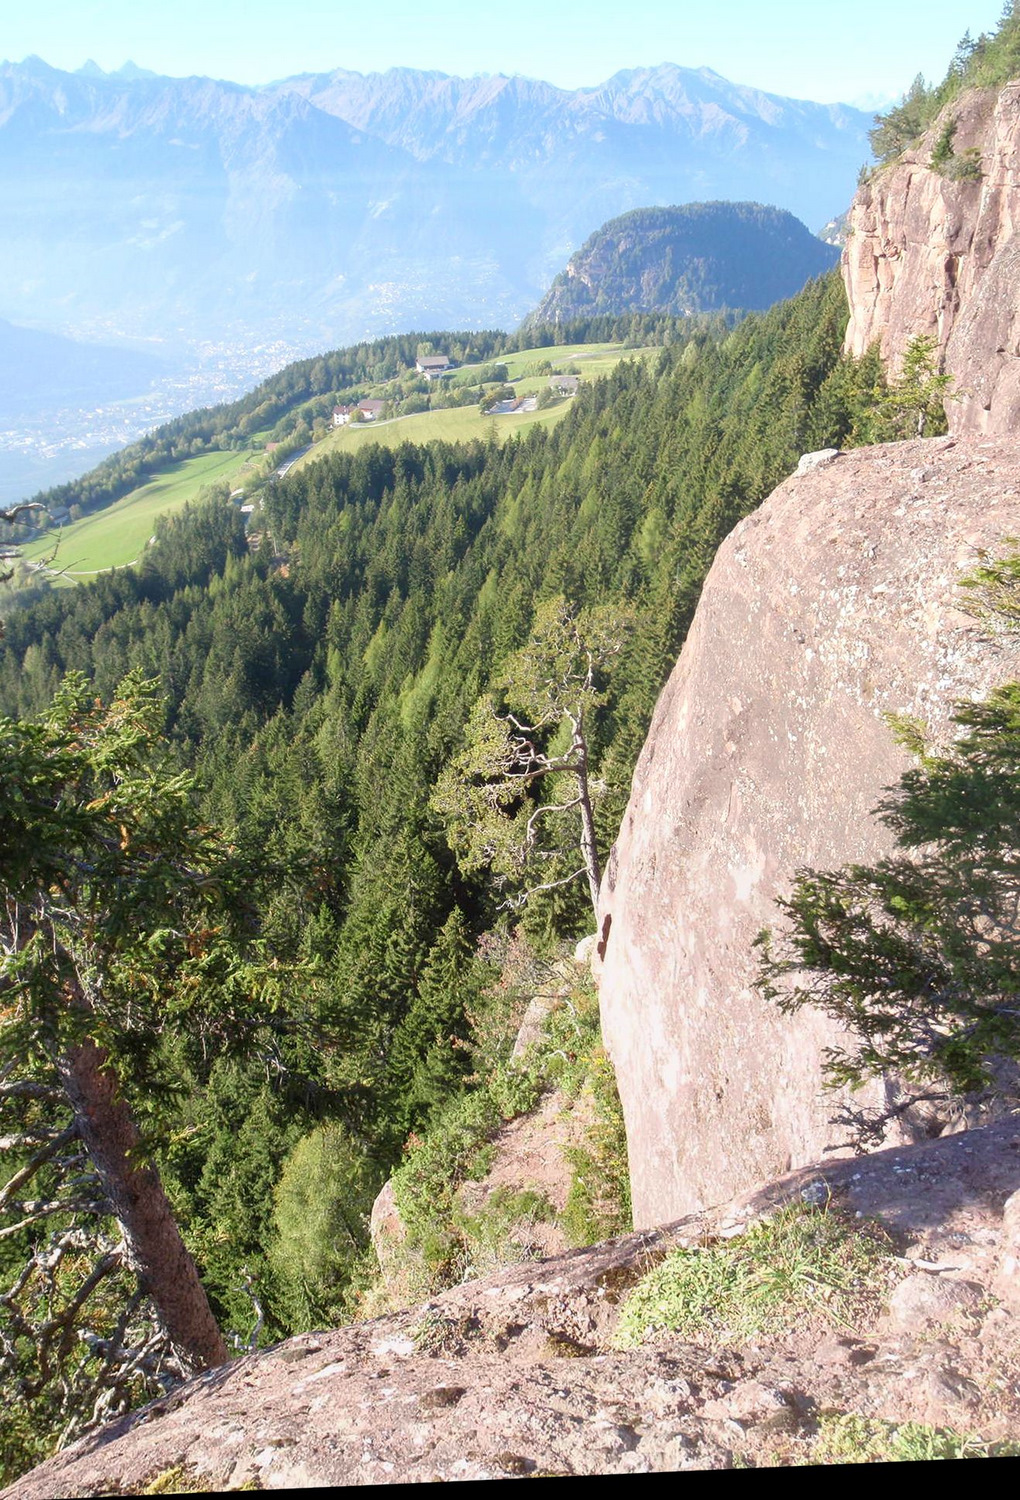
[[123, 921], [535, 725]]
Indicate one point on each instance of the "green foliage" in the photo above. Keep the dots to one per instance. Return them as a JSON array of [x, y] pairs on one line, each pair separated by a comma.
[[457, 1147], [453, 1151], [322, 1204], [916, 955], [995, 588], [990, 61], [800, 1263], [429, 1055], [913, 405], [692, 259], [847, 1438], [495, 1235], [598, 1202], [900, 126], [117, 893], [549, 689], [942, 151]]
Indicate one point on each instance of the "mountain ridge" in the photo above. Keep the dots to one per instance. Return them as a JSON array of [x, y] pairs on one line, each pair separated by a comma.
[[200, 209]]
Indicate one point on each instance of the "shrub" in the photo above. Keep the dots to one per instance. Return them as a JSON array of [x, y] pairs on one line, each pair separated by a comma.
[[916, 956], [847, 1438], [322, 1206], [942, 152]]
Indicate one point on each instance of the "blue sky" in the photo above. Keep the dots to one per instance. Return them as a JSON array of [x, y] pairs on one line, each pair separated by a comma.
[[794, 47]]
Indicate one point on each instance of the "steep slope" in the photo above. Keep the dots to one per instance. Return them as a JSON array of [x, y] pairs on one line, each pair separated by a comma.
[[833, 604], [936, 252], [683, 260]]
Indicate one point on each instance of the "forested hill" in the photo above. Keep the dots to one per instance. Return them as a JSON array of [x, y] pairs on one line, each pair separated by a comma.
[[283, 407], [699, 257], [319, 683]]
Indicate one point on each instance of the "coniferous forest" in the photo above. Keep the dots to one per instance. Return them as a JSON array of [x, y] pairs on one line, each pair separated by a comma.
[[314, 679]]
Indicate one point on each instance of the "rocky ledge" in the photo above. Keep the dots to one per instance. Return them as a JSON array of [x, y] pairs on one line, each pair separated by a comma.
[[518, 1374]]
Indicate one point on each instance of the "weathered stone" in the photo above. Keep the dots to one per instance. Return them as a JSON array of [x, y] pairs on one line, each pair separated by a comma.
[[930, 255], [816, 460], [386, 1227], [532, 1027], [925, 1298], [748, 1401], [584, 950], [835, 603]]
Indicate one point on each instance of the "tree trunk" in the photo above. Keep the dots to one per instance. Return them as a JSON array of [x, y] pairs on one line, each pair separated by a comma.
[[137, 1197], [589, 848]]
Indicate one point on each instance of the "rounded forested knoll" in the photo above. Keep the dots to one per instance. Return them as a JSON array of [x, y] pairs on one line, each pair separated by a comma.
[[698, 257]]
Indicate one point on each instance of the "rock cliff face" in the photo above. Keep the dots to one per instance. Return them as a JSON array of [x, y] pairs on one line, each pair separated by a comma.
[[834, 603], [930, 254]]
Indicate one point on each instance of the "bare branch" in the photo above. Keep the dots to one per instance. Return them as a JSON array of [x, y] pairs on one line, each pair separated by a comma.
[[32, 1166], [36, 1212], [26, 1088], [13, 512], [547, 807], [513, 903]]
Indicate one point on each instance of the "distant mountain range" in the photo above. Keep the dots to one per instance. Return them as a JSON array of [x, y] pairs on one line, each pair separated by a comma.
[[698, 257], [333, 206]]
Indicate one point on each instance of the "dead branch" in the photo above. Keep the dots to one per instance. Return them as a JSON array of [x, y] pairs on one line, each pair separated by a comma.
[[13, 512], [32, 1166], [514, 903]]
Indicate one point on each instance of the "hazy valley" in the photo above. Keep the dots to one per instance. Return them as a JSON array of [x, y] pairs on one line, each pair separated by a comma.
[[225, 230]]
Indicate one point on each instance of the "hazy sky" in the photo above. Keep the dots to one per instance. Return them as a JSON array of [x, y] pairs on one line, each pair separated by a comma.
[[793, 47]]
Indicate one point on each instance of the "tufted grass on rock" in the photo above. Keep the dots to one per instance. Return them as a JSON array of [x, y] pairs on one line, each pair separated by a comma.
[[847, 1438], [800, 1262]]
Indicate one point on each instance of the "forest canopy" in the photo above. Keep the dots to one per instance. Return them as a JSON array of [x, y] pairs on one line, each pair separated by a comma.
[[313, 686]]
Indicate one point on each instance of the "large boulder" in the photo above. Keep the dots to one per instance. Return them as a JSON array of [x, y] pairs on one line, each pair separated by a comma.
[[837, 602]]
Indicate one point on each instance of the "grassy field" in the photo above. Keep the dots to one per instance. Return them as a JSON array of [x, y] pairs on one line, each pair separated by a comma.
[[118, 535], [456, 424], [462, 423]]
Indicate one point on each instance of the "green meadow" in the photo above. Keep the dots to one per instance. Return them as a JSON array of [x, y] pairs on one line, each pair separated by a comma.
[[454, 424], [118, 535], [462, 423]]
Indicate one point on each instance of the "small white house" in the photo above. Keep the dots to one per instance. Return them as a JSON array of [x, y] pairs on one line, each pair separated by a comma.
[[432, 366]]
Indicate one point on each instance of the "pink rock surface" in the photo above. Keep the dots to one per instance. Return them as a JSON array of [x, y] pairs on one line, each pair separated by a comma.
[[517, 1374], [835, 603], [933, 256]]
